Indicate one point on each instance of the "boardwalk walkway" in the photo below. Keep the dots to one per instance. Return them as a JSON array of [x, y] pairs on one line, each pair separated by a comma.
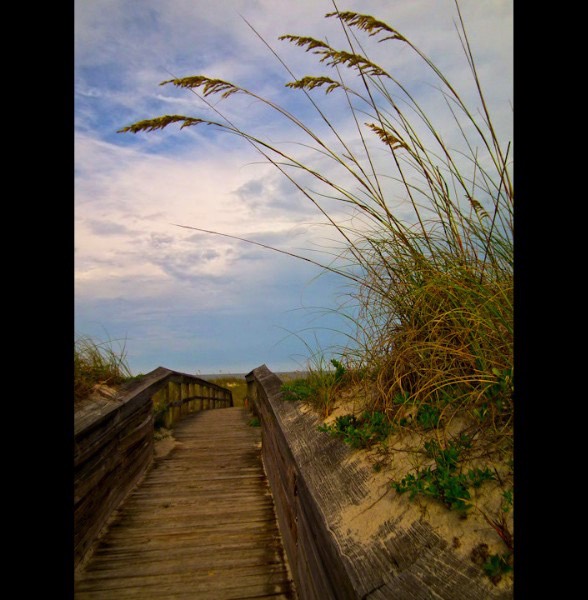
[[200, 526]]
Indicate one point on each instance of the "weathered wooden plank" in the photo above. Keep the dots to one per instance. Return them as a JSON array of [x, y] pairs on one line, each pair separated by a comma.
[[200, 543], [325, 562], [165, 563], [236, 583], [92, 471], [199, 495], [124, 537], [280, 469], [91, 441], [91, 513], [241, 581], [202, 523], [187, 399]]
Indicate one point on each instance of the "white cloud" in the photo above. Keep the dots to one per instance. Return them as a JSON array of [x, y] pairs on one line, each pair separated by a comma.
[[134, 267]]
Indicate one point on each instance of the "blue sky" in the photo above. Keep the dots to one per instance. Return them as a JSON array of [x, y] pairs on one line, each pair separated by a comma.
[[200, 303]]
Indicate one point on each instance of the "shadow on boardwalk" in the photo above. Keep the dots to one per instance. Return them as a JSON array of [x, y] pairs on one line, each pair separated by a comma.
[[200, 525]]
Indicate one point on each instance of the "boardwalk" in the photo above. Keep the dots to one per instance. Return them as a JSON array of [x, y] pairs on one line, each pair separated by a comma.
[[200, 525]]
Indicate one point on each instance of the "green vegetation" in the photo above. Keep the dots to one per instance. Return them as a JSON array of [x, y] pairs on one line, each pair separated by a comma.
[[444, 481], [360, 432], [497, 565], [98, 362], [298, 389], [426, 243], [318, 387], [494, 565], [507, 496]]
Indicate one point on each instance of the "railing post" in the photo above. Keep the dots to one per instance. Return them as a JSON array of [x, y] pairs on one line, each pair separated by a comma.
[[168, 399], [174, 396], [251, 398], [192, 392], [183, 395]]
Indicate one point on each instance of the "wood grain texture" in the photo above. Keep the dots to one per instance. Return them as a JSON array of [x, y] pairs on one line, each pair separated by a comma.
[[313, 477], [200, 525], [107, 464], [113, 445]]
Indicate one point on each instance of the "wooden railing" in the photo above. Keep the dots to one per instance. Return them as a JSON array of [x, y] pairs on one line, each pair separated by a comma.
[[113, 443], [185, 394], [313, 477]]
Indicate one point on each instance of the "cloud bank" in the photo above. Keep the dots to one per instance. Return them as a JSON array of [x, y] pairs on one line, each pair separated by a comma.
[[197, 302]]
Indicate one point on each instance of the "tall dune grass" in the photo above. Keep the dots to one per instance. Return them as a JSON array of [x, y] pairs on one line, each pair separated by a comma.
[[97, 362], [428, 241]]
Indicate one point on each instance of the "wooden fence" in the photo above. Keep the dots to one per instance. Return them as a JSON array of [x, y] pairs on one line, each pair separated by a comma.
[[113, 443]]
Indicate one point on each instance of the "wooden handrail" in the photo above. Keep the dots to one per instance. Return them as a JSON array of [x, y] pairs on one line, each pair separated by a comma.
[[113, 444], [314, 478]]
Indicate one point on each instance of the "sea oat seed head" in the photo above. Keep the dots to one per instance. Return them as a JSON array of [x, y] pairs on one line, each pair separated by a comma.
[[160, 123]]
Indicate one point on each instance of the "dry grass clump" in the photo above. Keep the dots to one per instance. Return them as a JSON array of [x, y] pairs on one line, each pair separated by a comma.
[[97, 363], [434, 282], [442, 334]]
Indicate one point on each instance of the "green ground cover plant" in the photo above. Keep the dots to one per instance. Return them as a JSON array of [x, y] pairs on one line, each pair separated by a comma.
[[497, 565], [444, 481], [362, 431]]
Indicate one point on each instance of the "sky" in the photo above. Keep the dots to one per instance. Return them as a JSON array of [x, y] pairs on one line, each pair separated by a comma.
[[167, 295]]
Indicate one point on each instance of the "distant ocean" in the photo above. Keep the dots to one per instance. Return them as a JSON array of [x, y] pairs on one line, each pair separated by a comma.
[[280, 374]]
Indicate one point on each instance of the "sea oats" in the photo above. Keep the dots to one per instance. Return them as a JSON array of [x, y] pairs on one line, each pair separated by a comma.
[[302, 41], [387, 137], [478, 207], [309, 83], [160, 123], [211, 86], [367, 23], [334, 57]]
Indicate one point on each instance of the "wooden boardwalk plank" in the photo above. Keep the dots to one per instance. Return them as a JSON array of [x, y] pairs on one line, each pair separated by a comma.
[[201, 524]]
